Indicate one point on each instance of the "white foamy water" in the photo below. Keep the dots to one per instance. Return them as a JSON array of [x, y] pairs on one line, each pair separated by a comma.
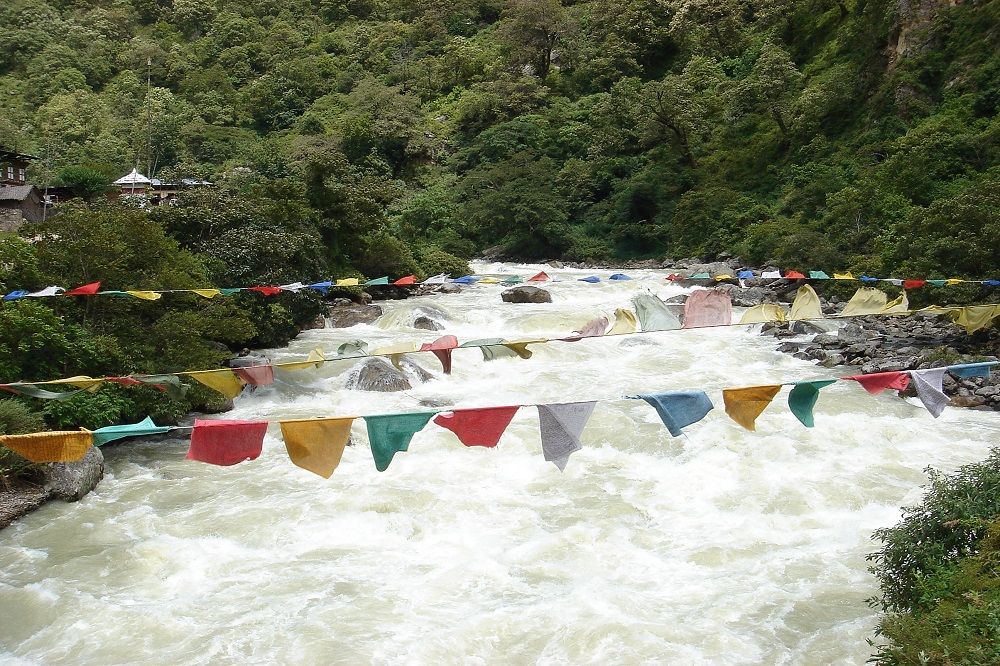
[[719, 547]]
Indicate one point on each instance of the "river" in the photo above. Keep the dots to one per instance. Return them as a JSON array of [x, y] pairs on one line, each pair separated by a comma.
[[721, 546]]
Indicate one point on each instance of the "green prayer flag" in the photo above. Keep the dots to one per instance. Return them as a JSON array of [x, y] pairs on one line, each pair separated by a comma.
[[803, 398], [111, 433], [492, 348], [389, 433], [229, 292], [818, 275], [169, 383], [381, 280], [701, 276], [937, 283], [35, 392]]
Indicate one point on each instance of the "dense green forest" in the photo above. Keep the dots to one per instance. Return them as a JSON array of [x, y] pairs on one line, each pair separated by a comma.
[[829, 134]]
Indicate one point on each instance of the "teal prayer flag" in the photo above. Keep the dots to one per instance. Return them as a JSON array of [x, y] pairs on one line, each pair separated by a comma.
[[377, 281], [110, 433], [818, 275], [389, 433], [230, 292], [937, 283], [803, 397]]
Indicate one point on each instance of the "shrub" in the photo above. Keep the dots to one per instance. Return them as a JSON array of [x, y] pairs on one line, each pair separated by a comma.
[[17, 419]]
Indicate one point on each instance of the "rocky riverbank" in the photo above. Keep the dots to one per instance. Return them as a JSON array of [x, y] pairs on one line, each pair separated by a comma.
[[64, 481]]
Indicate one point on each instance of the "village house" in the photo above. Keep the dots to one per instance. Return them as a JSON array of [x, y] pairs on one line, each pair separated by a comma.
[[19, 201], [155, 191]]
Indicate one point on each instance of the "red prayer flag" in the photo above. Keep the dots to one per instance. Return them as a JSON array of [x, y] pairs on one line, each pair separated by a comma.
[[126, 381], [256, 375], [477, 427], [267, 291], [541, 277], [793, 275], [85, 290], [673, 277], [226, 442], [409, 279], [442, 349], [877, 382], [913, 284]]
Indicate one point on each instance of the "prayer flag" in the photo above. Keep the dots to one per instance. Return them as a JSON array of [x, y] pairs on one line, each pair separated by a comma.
[[937, 283], [843, 276], [967, 370], [207, 293], [678, 409], [975, 317], [226, 442], [45, 447], [224, 381], [377, 281], [267, 291], [592, 329], [701, 276], [317, 445], [347, 282], [624, 323], [794, 275], [315, 359], [440, 278], [877, 382], [442, 349], [14, 295], [745, 275], [913, 284], [389, 433], [477, 427], [110, 433], [146, 295], [744, 405], [806, 305], [803, 397], [593, 279], [928, 383], [230, 291], [294, 287], [654, 314], [818, 275], [409, 279], [619, 276], [865, 301], [560, 426], [323, 287], [48, 291], [707, 307], [85, 290], [539, 277], [768, 275], [763, 313], [900, 305], [466, 279], [256, 375]]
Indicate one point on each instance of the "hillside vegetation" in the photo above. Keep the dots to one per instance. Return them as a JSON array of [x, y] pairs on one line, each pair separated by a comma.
[[829, 134]]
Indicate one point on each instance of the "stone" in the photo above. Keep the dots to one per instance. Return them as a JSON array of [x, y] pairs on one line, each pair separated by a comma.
[[378, 374], [71, 481], [751, 296], [425, 323], [318, 322], [353, 314], [526, 294]]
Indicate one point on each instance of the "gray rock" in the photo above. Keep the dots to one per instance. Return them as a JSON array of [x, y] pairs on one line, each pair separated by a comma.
[[378, 374], [751, 296], [804, 328], [832, 361], [852, 333], [318, 322], [73, 480], [353, 314], [988, 391], [891, 364], [425, 323], [526, 294]]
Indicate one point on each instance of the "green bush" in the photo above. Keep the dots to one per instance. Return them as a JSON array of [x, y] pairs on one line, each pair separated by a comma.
[[17, 419], [433, 261]]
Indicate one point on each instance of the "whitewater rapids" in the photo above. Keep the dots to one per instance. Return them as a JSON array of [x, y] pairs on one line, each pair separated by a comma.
[[722, 546]]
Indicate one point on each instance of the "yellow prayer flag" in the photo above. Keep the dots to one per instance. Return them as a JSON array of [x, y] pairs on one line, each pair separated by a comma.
[[806, 305], [317, 445], [975, 317], [207, 293], [347, 282], [489, 280], [80, 381], [521, 348], [843, 276], [624, 322], [865, 301], [225, 382], [899, 306], [44, 447], [314, 360], [718, 278], [145, 295], [953, 281], [762, 313], [744, 405]]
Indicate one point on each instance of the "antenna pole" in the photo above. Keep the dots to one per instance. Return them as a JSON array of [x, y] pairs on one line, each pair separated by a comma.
[[149, 118]]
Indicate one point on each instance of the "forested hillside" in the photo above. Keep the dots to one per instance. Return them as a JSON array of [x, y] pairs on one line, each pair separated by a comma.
[[813, 133]]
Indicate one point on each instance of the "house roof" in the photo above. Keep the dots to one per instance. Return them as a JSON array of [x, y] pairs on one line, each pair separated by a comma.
[[15, 192], [133, 178], [11, 155]]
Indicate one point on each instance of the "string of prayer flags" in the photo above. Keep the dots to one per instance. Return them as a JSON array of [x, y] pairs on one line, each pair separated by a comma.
[[560, 426], [442, 349], [85, 290], [110, 433], [802, 398], [226, 442], [224, 381], [744, 405], [390, 433], [707, 307], [968, 370], [482, 426], [317, 445], [256, 375], [877, 382], [929, 389], [46, 447], [806, 304], [678, 409]]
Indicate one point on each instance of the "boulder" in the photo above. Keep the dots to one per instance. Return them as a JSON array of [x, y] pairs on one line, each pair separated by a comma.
[[378, 374], [425, 323], [318, 322], [526, 294], [353, 314], [751, 296], [71, 481]]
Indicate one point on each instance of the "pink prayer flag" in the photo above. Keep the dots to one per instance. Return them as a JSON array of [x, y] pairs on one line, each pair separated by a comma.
[[226, 442], [880, 381], [256, 375], [477, 427], [541, 277], [85, 290], [267, 291], [708, 307], [442, 349], [409, 279], [125, 381]]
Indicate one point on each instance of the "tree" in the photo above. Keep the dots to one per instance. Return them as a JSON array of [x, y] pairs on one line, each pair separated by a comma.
[[773, 83], [532, 29]]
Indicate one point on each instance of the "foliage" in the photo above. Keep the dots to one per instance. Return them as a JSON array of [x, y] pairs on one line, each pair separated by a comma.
[[17, 419], [938, 572]]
